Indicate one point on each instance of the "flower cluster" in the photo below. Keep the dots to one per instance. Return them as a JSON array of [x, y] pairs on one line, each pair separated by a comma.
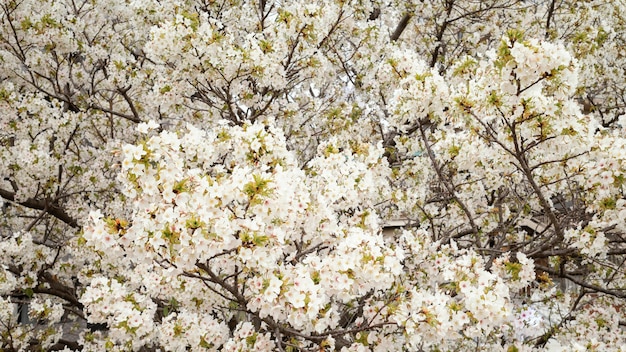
[[232, 202], [129, 315]]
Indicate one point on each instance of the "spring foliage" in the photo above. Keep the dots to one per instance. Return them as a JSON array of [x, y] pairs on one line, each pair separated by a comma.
[[222, 175]]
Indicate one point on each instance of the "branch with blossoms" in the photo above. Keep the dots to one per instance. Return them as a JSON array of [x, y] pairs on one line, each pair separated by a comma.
[[317, 123], [52, 209]]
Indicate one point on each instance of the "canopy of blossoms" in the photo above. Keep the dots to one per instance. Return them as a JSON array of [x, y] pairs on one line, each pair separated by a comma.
[[229, 175]]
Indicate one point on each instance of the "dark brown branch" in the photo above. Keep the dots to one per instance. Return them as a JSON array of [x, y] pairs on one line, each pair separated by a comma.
[[50, 208], [57, 289], [549, 17], [119, 114], [124, 93], [400, 27], [580, 282], [528, 172], [312, 249], [375, 14], [238, 296], [445, 181], [64, 343], [441, 32], [332, 30]]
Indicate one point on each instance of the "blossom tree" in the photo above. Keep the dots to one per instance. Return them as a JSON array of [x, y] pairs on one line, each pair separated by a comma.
[[221, 175]]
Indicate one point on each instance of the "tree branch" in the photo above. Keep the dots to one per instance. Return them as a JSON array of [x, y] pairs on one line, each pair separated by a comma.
[[580, 282], [51, 208], [400, 27]]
